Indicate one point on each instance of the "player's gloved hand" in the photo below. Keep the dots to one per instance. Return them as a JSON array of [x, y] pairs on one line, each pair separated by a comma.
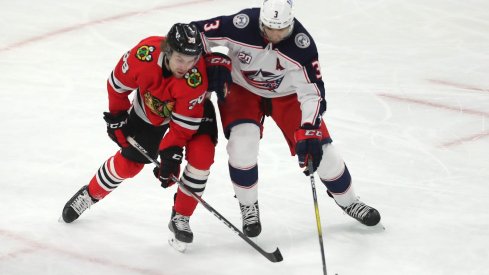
[[117, 128], [219, 73], [308, 147], [170, 158]]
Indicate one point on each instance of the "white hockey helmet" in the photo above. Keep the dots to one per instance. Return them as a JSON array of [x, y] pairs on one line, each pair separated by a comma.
[[277, 14]]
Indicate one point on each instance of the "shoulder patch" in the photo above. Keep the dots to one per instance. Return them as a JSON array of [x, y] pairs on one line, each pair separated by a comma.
[[144, 53], [193, 77], [302, 40], [241, 20]]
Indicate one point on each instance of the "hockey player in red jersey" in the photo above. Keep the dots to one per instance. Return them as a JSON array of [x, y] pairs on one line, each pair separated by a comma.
[[276, 73], [170, 111]]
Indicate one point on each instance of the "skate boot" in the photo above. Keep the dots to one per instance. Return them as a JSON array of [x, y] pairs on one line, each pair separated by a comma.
[[180, 227], [80, 202], [182, 234], [251, 219], [363, 213]]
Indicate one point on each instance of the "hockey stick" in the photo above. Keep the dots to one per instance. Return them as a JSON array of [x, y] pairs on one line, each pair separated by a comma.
[[316, 210], [275, 256]]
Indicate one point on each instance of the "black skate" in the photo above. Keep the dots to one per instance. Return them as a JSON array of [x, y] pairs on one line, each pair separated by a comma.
[[80, 202], [363, 213], [180, 227], [251, 219]]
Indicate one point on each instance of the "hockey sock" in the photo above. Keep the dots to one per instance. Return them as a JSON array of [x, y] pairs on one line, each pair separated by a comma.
[[194, 180], [341, 188], [112, 172], [245, 183], [184, 204]]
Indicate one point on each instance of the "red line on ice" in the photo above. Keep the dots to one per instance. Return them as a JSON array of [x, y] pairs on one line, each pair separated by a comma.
[[35, 245], [45, 36], [436, 105], [471, 138], [18, 253], [446, 107], [457, 85]]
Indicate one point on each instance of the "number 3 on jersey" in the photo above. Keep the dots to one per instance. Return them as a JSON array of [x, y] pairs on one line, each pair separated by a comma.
[[212, 26], [317, 67]]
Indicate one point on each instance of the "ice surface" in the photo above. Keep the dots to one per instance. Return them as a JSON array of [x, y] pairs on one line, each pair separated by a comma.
[[408, 107]]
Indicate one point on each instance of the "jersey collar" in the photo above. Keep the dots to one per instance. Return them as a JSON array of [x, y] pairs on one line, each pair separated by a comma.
[[166, 72]]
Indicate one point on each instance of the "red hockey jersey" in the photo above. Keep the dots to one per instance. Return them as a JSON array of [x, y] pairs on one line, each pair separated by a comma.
[[160, 98]]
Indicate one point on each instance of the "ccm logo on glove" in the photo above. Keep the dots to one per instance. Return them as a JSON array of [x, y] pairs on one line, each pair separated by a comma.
[[313, 133], [219, 74], [308, 148], [218, 60], [116, 125], [177, 157]]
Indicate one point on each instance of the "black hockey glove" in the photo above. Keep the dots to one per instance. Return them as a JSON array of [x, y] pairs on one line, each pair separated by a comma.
[[117, 127], [219, 73], [308, 147], [170, 158]]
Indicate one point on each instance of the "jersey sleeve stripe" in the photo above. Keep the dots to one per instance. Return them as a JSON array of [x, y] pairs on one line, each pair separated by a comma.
[[190, 123], [117, 85], [138, 106]]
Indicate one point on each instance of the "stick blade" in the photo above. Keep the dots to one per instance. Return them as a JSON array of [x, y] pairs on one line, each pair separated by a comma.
[[276, 256]]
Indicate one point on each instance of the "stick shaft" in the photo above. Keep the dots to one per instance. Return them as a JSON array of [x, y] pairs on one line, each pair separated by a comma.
[[318, 218]]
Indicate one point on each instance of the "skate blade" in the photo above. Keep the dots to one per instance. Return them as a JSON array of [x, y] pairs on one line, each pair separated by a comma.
[[60, 220], [178, 245]]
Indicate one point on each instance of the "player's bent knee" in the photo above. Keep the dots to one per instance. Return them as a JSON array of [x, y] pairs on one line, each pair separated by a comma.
[[200, 152], [332, 164], [243, 145], [126, 168]]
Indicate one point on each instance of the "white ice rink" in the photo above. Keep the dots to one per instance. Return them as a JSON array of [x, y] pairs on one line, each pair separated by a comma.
[[408, 107]]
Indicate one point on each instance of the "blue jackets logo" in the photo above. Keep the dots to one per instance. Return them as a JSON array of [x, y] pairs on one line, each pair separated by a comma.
[[241, 20], [263, 80]]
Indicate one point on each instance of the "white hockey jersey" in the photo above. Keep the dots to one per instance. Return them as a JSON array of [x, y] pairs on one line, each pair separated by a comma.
[[270, 71]]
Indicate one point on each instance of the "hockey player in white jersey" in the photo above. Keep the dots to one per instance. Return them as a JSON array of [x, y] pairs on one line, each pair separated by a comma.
[[276, 73]]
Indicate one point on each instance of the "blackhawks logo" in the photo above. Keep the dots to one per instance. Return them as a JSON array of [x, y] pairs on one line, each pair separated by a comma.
[[158, 107], [194, 78], [144, 53]]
